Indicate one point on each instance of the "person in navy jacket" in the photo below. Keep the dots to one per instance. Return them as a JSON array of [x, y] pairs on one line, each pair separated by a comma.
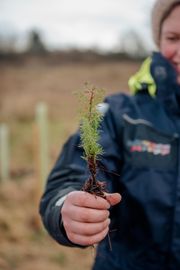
[[140, 135]]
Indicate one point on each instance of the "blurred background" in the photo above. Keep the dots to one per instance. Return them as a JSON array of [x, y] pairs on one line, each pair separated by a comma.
[[48, 50]]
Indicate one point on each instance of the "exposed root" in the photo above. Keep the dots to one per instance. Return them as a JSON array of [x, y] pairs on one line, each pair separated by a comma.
[[96, 188]]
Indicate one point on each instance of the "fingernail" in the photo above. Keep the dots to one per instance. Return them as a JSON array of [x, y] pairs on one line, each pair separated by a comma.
[[109, 221]]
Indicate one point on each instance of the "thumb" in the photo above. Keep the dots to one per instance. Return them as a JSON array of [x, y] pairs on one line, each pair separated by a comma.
[[113, 198]]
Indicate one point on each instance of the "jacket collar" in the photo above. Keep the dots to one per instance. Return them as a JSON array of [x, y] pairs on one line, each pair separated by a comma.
[[158, 78]]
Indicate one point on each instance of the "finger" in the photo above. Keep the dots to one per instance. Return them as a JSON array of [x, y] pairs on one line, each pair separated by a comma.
[[87, 240], [113, 198], [85, 199], [87, 229], [87, 215]]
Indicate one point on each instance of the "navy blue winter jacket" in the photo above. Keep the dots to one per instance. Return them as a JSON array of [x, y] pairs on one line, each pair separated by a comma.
[[141, 161]]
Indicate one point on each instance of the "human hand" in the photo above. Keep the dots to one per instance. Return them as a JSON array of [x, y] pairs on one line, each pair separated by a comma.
[[86, 217]]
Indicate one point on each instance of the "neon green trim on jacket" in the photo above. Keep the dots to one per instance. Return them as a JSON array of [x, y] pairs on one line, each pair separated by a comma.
[[143, 76]]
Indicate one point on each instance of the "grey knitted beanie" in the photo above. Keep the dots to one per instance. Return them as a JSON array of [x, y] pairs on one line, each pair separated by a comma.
[[159, 12]]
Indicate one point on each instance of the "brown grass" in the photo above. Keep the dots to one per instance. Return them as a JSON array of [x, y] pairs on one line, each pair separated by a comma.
[[23, 245]]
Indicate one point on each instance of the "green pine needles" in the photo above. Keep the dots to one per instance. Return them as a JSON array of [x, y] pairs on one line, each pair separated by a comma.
[[91, 118]]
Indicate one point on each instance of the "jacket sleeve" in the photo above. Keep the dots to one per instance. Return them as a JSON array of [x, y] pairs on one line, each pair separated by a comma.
[[70, 172]]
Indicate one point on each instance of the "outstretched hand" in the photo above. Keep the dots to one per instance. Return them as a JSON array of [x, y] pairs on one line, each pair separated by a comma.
[[86, 217]]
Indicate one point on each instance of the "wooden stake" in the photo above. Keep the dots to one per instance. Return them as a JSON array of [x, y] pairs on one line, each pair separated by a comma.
[[41, 157], [42, 125], [4, 152]]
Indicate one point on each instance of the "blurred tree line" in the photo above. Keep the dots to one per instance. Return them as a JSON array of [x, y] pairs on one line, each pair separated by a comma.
[[131, 46]]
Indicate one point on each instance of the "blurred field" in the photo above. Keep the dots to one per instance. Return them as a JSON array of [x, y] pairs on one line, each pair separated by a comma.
[[22, 245]]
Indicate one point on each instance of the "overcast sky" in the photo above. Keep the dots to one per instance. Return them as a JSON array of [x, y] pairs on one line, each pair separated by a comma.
[[80, 23]]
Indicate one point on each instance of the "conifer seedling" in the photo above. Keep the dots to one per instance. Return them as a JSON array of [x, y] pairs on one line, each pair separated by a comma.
[[90, 119]]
